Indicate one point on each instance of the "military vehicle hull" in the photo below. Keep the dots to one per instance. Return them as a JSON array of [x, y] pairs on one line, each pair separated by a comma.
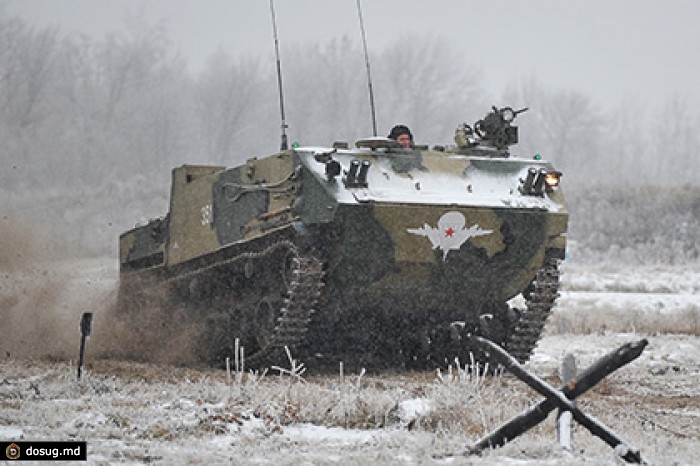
[[379, 256]]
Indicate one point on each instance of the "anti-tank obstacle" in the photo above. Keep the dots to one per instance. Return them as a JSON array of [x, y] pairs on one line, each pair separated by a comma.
[[562, 398]]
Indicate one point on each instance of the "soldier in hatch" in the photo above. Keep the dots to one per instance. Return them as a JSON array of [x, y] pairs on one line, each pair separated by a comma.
[[402, 135]]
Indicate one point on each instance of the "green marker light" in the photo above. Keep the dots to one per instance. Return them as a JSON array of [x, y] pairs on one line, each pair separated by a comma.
[[537, 157], [295, 144]]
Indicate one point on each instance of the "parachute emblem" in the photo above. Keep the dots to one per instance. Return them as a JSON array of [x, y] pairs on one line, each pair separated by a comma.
[[450, 232]]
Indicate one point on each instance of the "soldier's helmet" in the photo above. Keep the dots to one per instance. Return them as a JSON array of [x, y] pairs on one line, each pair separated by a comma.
[[398, 130]]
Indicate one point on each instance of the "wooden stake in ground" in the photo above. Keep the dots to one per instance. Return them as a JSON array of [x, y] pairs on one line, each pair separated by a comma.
[[567, 373], [85, 326]]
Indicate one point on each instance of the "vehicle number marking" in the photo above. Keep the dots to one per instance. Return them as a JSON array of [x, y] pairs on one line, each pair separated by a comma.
[[207, 215]]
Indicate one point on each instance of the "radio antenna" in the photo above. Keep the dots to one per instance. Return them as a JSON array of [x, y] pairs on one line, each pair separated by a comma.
[[369, 73], [283, 143]]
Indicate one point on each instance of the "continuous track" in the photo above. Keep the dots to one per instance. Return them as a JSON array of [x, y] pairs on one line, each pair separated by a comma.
[[303, 282], [303, 289], [303, 285], [540, 302]]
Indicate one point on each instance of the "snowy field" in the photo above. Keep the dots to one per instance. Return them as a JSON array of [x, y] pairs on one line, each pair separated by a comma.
[[142, 413]]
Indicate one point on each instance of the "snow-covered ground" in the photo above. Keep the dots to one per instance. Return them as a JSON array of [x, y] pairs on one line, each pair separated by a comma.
[[142, 413]]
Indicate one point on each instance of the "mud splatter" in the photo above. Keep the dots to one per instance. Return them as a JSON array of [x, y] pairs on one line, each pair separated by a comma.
[[43, 295]]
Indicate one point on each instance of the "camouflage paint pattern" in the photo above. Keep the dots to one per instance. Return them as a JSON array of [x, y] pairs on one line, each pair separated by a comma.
[[347, 250], [383, 240]]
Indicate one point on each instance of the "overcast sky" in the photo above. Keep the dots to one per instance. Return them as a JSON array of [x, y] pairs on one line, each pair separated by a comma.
[[612, 50]]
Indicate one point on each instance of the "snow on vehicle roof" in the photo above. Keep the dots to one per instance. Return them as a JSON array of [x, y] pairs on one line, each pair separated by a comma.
[[454, 179]]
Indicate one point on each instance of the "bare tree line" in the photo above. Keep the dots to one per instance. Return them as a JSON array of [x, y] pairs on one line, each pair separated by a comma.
[[95, 125], [95, 110], [126, 107]]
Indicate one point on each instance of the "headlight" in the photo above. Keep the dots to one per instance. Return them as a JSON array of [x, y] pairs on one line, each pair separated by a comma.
[[537, 181], [551, 179]]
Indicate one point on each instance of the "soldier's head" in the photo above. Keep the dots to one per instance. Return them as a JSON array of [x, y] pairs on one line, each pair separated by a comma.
[[402, 135]]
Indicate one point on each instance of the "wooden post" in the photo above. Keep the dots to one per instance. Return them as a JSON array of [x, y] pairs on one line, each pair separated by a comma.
[[567, 373], [85, 328]]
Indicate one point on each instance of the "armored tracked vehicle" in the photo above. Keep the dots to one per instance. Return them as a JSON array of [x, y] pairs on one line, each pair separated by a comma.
[[377, 255]]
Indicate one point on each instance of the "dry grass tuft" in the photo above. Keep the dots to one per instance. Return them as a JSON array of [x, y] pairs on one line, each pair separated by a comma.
[[602, 319]]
